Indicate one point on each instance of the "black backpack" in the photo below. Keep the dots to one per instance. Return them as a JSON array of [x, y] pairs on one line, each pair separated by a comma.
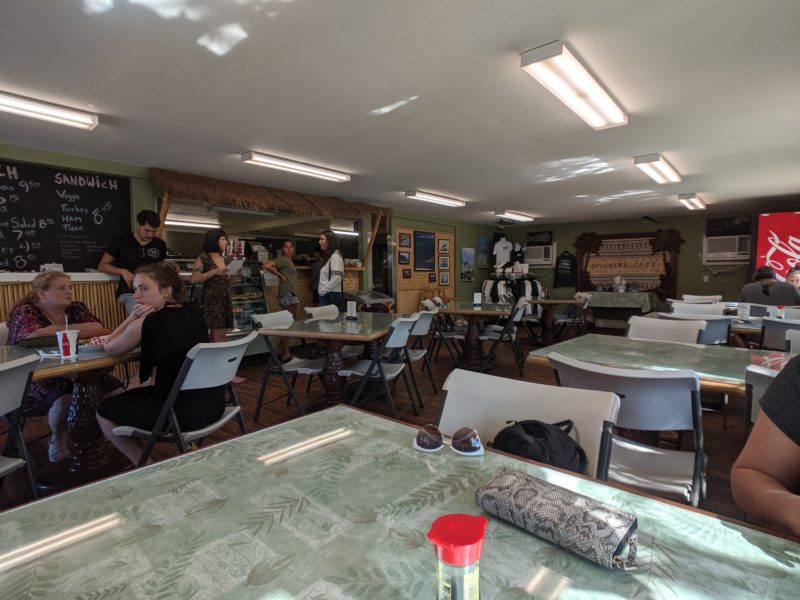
[[542, 442]]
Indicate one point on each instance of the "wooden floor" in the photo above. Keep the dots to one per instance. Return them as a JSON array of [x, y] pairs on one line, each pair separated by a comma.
[[722, 445]]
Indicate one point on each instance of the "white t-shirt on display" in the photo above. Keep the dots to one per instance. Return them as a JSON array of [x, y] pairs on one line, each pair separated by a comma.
[[502, 251]]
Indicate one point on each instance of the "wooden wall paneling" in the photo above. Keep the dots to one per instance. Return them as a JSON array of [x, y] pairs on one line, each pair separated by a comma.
[[411, 291]]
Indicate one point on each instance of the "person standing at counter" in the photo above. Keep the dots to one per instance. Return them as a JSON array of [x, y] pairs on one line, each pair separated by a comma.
[[285, 269], [331, 275], [131, 250], [215, 296], [313, 280]]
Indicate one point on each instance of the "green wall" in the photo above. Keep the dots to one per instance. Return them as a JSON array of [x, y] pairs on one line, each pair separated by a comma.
[[722, 279], [143, 191]]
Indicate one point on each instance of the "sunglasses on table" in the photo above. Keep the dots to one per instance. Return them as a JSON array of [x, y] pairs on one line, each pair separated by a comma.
[[464, 441]]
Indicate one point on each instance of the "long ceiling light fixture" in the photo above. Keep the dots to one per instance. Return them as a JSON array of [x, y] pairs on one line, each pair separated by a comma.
[[692, 201], [242, 211], [345, 232], [174, 223], [514, 216], [435, 198], [559, 70], [45, 111], [292, 166], [657, 168]]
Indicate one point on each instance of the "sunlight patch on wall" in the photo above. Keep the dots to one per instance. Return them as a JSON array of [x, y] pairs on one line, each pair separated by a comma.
[[392, 107], [569, 168], [221, 40], [173, 9], [637, 195]]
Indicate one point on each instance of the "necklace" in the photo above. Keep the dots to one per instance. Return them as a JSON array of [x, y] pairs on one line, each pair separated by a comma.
[[54, 318]]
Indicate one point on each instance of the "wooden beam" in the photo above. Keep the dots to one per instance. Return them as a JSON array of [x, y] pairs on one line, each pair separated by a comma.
[[162, 214], [375, 227]]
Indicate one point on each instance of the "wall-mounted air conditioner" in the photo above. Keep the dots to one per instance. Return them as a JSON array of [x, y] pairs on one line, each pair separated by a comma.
[[726, 249], [540, 255]]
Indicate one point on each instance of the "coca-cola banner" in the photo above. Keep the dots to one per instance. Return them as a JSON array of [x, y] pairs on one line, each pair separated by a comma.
[[778, 241]]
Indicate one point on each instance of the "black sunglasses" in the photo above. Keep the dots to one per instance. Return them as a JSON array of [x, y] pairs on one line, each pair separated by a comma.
[[464, 441]]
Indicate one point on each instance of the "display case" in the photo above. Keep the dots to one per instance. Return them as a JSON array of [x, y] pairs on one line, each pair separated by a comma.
[[248, 297]]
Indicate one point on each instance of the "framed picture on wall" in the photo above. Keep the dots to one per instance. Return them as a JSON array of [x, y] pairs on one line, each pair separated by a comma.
[[444, 263], [403, 258], [484, 251], [444, 246], [424, 251], [404, 240], [406, 273], [467, 264], [444, 278], [431, 277]]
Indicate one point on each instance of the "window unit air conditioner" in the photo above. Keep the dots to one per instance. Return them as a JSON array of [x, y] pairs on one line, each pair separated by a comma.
[[540, 255], [726, 249]]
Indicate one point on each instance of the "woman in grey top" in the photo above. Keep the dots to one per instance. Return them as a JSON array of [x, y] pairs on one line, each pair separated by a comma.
[[766, 289]]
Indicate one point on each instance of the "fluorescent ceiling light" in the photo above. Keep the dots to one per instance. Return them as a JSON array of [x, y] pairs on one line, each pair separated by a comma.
[[692, 201], [243, 211], [306, 235], [435, 198], [173, 223], [345, 232], [47, 112], [284, 164], [657, 168], [558, 69], [514, 216]]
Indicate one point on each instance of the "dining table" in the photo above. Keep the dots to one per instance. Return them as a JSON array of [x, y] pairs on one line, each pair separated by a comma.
[[720, 368], [547, 318], [333, 333], [473, 314], [336, 505], [90, 460]]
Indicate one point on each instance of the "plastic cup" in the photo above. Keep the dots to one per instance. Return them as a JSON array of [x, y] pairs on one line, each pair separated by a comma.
[[67, 343], [476, 298], [743, 310]]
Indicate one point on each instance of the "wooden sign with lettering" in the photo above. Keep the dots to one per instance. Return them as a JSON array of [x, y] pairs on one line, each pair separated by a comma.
[[51, 215]]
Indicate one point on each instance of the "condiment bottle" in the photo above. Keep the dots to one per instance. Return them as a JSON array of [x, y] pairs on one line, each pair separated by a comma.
[[458, 541], [780, 313]]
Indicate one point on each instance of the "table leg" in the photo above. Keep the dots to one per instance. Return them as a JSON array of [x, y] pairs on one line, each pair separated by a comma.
[[473, 358], [548, 325], [334, 383], [89, 459]]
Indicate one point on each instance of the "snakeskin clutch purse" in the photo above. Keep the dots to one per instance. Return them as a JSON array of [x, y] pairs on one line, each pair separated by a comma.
[[591, 529]]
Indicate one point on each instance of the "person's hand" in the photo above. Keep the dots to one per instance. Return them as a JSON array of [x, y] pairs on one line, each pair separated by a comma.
[[221, 271], [142, 310], [127, 276], [100, 340]]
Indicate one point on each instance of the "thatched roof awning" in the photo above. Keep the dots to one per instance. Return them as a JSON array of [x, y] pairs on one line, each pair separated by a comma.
[[218, 192]]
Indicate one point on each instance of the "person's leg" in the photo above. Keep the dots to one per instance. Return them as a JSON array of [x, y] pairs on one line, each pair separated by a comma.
[[283, 344], [131, 447], [218, 335], [58, 448], [128, 301]]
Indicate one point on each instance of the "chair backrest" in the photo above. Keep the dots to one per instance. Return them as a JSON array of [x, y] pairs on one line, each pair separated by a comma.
[[702, 299], [792, 313], [400, 329], [792, 340], [485, 402], [646, 328], [322, 312], [14, 378], [717, 331], [215, 364], [520, 308], [428, 304], [3, 333], [763, 310], [773, 333], [757, 380], [691, 308], [423, 324], [438, 301], [649, 400]]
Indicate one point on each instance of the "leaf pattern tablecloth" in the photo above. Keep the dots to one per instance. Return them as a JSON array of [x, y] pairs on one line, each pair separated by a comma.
[[348, 521], [644, 301]]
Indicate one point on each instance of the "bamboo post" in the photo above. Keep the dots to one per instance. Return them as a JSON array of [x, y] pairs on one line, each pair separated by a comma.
[[162, 214], [375, 227]]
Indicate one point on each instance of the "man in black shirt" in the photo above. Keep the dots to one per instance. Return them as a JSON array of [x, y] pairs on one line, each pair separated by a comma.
[[131, 250]]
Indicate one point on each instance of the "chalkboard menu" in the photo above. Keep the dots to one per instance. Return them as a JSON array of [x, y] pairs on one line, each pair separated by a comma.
[[51, 215]]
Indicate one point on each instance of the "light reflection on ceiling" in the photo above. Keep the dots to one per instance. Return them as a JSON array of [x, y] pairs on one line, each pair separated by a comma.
[[391, 107], [223, 39], [569, 168], [637, 195], [97, 7]]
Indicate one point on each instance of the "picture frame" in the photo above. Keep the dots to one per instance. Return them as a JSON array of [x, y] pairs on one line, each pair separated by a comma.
[[444, 263], [406, 273], [431, 277], [403, 258], [444, 278], [467, 264], [484, 251], [444, 246], [424, 251], [404, 240]]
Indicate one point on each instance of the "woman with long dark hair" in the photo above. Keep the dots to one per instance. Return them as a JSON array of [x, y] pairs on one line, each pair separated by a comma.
[[215, 296], [331, 275]]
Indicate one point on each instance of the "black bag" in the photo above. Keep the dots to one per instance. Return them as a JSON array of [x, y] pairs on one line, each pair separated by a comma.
[[542, 442]]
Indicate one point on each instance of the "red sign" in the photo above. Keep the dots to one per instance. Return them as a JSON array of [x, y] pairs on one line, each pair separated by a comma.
[[778, 241]]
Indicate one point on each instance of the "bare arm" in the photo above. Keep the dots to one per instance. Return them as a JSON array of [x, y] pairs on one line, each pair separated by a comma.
[[126, 340], [106, 265], [199, 277], [273, 268], [85, 329], [766, 475]]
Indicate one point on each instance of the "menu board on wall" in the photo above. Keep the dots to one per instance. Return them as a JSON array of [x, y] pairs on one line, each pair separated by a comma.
[[52, 215]]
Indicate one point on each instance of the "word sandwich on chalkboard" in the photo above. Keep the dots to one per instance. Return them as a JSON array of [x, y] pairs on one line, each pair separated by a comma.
[[50, 215]]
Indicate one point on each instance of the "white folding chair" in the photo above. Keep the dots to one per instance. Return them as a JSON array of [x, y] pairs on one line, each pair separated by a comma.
[[206, 366], [330, 312], [792, 313], [418, 352], [763, 310], [792, 340], [297, 366], [690, 308], [756, 380], [773, 333], [3, 333], [683, 332], [507, 334], [717, 330], [702, 299], [15, 375], [376, 370], [649, 401], [486, 403]]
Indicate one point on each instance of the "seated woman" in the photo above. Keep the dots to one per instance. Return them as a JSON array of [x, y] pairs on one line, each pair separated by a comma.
[[793, 276], [128, 335], [167, 335], [765, 479], [45, 310]]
